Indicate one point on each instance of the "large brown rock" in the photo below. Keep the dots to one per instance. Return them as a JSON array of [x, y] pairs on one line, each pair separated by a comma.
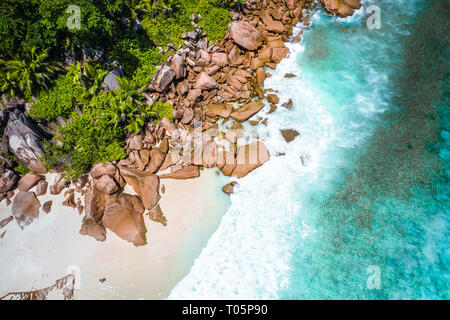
[[273, 25], [136, 142], [47, 206], [228, 188], [28, 181], [221, 110], [157, 158], [205, 82], [219, 59], [226, 162], [107, 184], [124, 218], [245, 35], [342, 8], [279, 53], [95, 202], [250, 157], [188, 116], [58, 186], [103, 168], [25, 208], [185, 173], [145, 184], [93, 229], [247, 111], [41, 188], [194, 95]]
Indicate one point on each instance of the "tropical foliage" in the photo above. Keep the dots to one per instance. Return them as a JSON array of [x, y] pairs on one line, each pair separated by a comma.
[[20, 77], [34, 38]]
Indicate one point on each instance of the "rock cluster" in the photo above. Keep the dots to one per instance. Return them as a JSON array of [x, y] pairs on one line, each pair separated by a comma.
[[342, 8]]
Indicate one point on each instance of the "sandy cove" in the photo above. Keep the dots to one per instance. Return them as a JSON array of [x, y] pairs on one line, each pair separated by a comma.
[[42, 252]]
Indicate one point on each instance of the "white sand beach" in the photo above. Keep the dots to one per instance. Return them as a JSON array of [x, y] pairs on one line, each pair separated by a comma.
[[35, 257]]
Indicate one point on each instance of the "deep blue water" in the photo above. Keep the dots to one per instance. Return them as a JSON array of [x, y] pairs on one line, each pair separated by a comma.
[[372, 199]]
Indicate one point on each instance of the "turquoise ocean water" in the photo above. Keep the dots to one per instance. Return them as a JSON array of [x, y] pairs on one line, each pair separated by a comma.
[[366, 185]]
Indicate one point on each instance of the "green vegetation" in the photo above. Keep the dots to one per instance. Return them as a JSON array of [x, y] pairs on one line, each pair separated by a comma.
[[97, 132], [20, 77], [34, 36]]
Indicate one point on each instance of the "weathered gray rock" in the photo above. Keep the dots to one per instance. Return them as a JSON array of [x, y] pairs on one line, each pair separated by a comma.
[[177, 64], [163, 78], [8, 181], [24, 140]]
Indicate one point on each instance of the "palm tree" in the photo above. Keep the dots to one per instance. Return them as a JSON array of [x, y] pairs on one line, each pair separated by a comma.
[[22, 76]]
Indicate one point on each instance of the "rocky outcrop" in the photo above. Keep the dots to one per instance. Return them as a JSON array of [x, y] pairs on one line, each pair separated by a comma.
[[245, 35], [28, 181], [25, 208], [187, 172], [107, 184], [247, 111], [289, 134], [124, 217], [24, 139], [342, 8], [163, 78], [95, 203], [218, 110], [145, 184], [41, 188], [177, 65], [205, 82], [157, 158], [250, 157], [8, 181], [101, 169]]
